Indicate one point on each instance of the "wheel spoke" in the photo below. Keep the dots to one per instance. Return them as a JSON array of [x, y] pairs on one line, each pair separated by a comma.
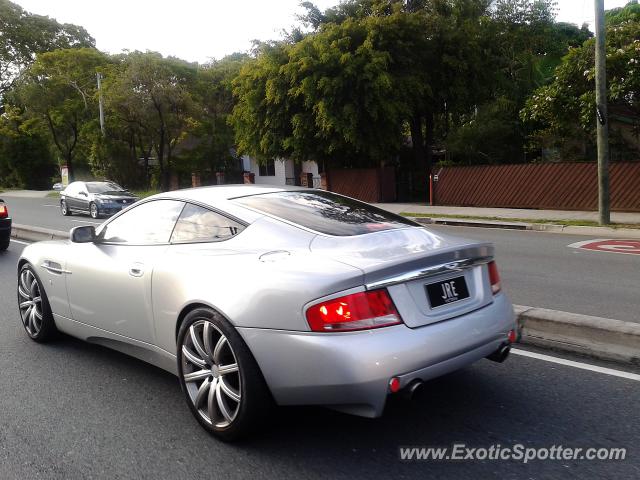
[[37, 313], [202, 392], [26, 316], [221, 405], [211, 403], [192, 358], [32, 323], [22, 291], [37, 299], [207, 335], [196, 342], [217, 351], [26, 304], [226, 369], [228, 391], [197, 375]]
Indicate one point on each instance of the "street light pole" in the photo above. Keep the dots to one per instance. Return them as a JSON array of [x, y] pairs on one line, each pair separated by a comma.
[[602, 129], [100, 102]]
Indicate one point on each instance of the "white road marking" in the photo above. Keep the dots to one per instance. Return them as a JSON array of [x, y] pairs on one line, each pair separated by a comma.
[[20, 242], [57, 206], [583, 366]]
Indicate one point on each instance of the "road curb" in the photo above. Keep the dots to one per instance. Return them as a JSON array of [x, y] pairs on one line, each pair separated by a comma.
[[601, 338], [604, 232], [36, 234]]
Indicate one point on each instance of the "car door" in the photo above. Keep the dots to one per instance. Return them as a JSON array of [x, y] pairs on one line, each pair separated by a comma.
[[71, 194], [82, 198], [109, 286]]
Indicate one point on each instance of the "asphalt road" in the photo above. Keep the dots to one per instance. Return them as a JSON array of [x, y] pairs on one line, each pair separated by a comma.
[[44, 212], [73, 410], [539, 270]]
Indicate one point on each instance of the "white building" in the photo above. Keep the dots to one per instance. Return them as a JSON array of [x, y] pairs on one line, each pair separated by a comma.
[[281, 171]]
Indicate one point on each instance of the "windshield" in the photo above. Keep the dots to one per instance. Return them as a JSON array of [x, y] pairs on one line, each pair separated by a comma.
[[104, 187], [326, 212]]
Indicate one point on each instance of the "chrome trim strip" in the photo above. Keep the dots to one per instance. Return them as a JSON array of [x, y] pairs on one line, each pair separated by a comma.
[[455, 266]]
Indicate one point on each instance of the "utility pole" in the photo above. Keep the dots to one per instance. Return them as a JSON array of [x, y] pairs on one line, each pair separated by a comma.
[[100, 103], [602, 129]]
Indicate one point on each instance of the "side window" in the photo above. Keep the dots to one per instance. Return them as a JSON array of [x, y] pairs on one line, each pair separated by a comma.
[[148, 223], [197, 224]]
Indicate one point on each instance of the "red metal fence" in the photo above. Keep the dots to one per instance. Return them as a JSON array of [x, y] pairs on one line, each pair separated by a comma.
[[367, 184], [559, 186]]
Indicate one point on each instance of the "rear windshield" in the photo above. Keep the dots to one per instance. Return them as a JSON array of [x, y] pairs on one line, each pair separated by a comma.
[[325, 212]]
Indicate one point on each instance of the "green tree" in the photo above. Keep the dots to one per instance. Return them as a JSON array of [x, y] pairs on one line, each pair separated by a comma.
[[563, 112], [151, 98], [60, 89], [370, 72], [25, 158], [23, 35], [213, 92]]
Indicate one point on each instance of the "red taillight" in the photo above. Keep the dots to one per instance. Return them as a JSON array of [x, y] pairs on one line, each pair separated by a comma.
[[4, 213], [358, 311], [494, 277]]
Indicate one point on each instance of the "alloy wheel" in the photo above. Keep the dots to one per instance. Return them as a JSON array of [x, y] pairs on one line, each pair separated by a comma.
[[94, 210], [211, 374], [30, 302]]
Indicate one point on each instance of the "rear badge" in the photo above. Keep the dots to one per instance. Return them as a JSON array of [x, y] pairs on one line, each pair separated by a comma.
[[447, 291]]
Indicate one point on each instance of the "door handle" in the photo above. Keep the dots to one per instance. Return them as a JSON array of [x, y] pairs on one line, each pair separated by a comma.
[[136, 270]]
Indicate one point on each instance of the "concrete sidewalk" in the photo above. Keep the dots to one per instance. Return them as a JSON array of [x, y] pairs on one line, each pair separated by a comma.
[[508, 213]]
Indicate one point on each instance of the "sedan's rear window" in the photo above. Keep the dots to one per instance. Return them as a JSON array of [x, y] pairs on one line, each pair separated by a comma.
[[325, 212]]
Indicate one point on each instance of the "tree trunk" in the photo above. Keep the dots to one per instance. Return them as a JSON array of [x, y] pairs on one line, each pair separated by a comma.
[[429, 143], [419, 155]]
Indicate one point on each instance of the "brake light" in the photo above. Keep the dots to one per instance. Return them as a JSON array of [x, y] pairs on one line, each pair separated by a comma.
[[4, 213], [359, 311], [494, 277]]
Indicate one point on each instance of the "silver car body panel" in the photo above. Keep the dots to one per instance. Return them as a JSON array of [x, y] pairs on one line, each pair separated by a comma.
[[131, 298]]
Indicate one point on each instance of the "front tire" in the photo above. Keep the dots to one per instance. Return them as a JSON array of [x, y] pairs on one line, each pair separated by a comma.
[[222, 382], [93, 210], [33, 305], [64, 209]]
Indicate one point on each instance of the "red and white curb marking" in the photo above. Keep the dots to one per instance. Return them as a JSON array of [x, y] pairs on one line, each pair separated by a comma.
[[628, 247]]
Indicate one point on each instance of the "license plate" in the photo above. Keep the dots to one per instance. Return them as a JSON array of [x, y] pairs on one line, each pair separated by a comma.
[[447, 291]]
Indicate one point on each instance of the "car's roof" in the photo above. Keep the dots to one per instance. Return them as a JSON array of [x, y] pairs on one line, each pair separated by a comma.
[[215, 193]]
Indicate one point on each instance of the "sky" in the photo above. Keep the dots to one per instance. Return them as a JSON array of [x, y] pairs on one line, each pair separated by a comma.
[[199, 30]]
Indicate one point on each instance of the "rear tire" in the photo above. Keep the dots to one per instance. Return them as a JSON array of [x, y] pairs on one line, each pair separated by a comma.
[[221, 380], [33, 306], [4, 244], [64, 209]]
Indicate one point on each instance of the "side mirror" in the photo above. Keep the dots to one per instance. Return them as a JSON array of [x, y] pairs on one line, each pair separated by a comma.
[[85, 234]]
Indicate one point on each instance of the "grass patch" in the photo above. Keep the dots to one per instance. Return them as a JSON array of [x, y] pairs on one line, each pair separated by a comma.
[[53, 195], [567, 223], [144, 193]]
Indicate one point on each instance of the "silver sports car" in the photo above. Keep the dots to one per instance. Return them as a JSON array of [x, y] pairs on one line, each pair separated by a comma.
[[256, 294]]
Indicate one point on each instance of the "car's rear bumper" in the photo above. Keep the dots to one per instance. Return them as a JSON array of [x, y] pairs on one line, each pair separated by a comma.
[[351, 371], [5, 229]]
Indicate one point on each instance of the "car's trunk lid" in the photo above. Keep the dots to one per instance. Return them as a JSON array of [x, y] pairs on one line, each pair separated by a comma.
[[406, 260]]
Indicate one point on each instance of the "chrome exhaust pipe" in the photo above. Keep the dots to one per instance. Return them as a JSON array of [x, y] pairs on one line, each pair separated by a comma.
[[501, 354], [411, 389]]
